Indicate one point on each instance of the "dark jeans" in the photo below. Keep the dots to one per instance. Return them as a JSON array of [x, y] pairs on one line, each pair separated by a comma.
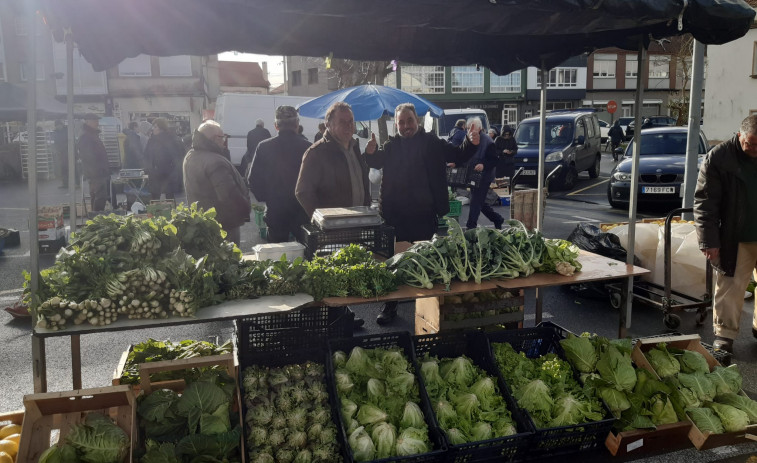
[[98, 193], [478, 205], [162, 183], [279, 232], [417, 227], [506, 167]]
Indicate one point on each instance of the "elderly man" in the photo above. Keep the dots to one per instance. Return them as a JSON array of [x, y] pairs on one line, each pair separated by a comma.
[[94, 161], [414, 185], [211, 180], [725, 197], [273, 176], [333, 174], [164, 153]]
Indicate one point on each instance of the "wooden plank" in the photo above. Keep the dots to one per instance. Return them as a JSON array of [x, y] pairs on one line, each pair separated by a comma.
[[146, 369], [595, 268], [665, 438]]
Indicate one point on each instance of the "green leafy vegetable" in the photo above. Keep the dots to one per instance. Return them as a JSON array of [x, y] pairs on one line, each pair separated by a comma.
[[663, 362], [580, 353], [706, 420]]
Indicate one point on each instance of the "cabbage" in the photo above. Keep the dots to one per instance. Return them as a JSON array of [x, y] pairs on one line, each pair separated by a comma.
[[662, 411], [369, 414], [647, 384], [456, 436], [616, 400], [402, 383], [504, 427], [743, 403], [431, 377], [569, 410], [358, 360], [466, 406], [393, 362], [706, 420], [692, 362], [481, 431], [459, 371], [412, 416], [535, 396], [617, 369], [663, 361], [485, 390], [340, 359], [349, 408], [580, 353], [376, 390], [352, 425], [733, 419], [412, 441], [99, 440], [445, 414], [726, 380], [303, 456], [384, 436], [362, 446], [699, 383]]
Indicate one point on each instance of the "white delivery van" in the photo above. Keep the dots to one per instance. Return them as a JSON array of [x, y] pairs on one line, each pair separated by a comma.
[[237, 113], [443, 126]]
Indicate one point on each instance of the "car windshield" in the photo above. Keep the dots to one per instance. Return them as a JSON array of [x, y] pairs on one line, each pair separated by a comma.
[[558, 133], [447, 122], [662, 143]]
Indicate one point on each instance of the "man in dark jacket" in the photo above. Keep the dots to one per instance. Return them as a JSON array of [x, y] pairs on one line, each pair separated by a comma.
[[254, 137], [211, 180], [616, 136], [507, 148], [458, 133], [133, 155], [94, 159], [484, 161], [414, 184], [273, 176], [60, 148], [164, 152], [724, 201]]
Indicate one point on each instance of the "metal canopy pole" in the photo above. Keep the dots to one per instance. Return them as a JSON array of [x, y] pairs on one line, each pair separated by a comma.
[[627, 292], [540, 175], [70, 118], [695, 115]]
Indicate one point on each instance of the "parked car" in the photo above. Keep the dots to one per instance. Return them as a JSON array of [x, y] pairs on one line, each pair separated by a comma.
[[654, 121], [662, 161], [572, 141], [443, 126], [604, 128], [624, 121]]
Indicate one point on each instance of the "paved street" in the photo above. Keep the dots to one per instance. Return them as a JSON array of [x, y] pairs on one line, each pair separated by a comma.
[[101, 352]]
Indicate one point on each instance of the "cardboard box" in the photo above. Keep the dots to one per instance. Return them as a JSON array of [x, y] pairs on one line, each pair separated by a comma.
[[433, 315], [49, 217], [666, 438], [701, 440], [51, 234], [55, 413]]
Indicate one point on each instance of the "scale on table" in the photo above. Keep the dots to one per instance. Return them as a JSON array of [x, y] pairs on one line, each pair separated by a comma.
[[131, 173], [346, 217]]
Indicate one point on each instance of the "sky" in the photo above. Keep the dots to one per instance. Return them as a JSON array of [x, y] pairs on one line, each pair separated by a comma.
[[275, 64]]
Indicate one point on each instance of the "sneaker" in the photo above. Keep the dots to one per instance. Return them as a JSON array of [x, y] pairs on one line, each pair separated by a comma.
[[357, 323], [388, 313], [723, 344]]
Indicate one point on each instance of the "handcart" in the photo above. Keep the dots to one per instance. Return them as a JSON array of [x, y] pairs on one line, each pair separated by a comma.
[[665, 297]]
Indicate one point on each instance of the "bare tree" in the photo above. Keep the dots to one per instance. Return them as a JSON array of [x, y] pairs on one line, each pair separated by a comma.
[[681, 49]]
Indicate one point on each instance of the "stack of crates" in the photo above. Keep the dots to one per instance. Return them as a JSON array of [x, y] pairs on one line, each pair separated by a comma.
[[455, 209]]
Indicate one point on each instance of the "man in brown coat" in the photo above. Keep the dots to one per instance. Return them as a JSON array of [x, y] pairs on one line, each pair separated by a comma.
[[333, 172], [211, 180], [94, 161]]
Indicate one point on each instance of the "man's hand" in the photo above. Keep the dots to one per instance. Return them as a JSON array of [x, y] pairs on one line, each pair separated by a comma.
[[474, 136], [711, 254], [508, 151], [370, 148], [479, 167], [451, 165]]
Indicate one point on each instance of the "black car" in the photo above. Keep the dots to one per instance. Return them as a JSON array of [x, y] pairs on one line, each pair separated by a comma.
[[649, 122], [624, 121], [662, 163]]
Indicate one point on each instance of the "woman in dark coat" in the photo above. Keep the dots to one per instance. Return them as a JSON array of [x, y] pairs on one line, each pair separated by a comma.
[[164, 153], [507, 148]]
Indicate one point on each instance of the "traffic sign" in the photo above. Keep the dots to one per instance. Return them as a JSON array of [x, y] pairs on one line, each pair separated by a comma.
[[612, 106]]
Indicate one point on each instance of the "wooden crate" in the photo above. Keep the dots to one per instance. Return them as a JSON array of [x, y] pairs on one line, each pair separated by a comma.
[[16, 417], [432, 314], [701, 440], [55, 413], [666, 438]]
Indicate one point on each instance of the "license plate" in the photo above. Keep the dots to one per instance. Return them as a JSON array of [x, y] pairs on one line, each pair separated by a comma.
[[659, 189], [529, 172]]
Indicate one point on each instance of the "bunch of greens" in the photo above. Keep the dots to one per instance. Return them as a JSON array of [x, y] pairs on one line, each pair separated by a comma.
[[350, 271], [155, 351], [546, 389], [379, 399], [634, 396], [560, 256], [194, 426], [467, 402], [96, 440]]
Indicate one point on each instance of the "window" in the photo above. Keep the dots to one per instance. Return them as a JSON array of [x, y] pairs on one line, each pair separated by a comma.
[[604, 66], [505, 84], [509, 114], [632, 67], [422, 79], [466, 79], [40, 71], [659, 67], [312, 76], [296, 78], [754, 61], [135, 67], [86, 80], [560, 78], [175, 66]]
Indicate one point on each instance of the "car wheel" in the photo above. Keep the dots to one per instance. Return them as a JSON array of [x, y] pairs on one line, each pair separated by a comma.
[[569, 178], [594, 170]]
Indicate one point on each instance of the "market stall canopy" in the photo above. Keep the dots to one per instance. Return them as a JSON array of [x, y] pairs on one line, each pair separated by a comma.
[[503, 35], [368, 102], [13, 105]]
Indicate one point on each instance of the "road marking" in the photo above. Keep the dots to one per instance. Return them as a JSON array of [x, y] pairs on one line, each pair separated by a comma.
[[6, 255], [4, 299], [588, 187], [11, 291], [14, 209], [583, 219], [530, 316]]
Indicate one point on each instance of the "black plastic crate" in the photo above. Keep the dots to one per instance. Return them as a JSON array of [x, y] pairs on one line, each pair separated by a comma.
[[463, 176], [319, 355], [474, 346], [378, 239], [562, 332], [404, 341], [550, 442], [283, 334]]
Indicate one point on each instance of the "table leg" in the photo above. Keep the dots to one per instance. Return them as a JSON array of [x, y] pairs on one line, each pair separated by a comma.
[[76, 360], [626, 301], [537, 307], [39, 364]]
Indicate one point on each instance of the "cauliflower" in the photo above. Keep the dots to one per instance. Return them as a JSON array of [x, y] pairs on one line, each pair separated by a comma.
[[565, 268]]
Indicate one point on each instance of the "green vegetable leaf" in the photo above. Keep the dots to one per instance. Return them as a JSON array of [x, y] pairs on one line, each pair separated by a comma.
[[580, 353], [617, 369], [706, 420], [198, 398]]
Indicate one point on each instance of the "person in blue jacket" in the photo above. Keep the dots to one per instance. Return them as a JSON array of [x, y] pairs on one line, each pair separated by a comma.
[[484, 161]]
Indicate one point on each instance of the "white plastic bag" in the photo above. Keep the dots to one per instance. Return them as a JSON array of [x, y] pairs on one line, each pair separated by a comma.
[[645, 246], [374, 175]]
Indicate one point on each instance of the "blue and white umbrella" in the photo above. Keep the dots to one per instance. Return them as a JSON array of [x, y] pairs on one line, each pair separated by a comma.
[[368, 102]]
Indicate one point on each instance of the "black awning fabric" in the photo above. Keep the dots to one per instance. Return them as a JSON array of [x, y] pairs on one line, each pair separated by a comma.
[[503, 35]]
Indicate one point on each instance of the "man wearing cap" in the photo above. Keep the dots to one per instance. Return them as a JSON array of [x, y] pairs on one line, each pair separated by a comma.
[[211, 180], [273, 176], [94, 159], [164, 153]]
